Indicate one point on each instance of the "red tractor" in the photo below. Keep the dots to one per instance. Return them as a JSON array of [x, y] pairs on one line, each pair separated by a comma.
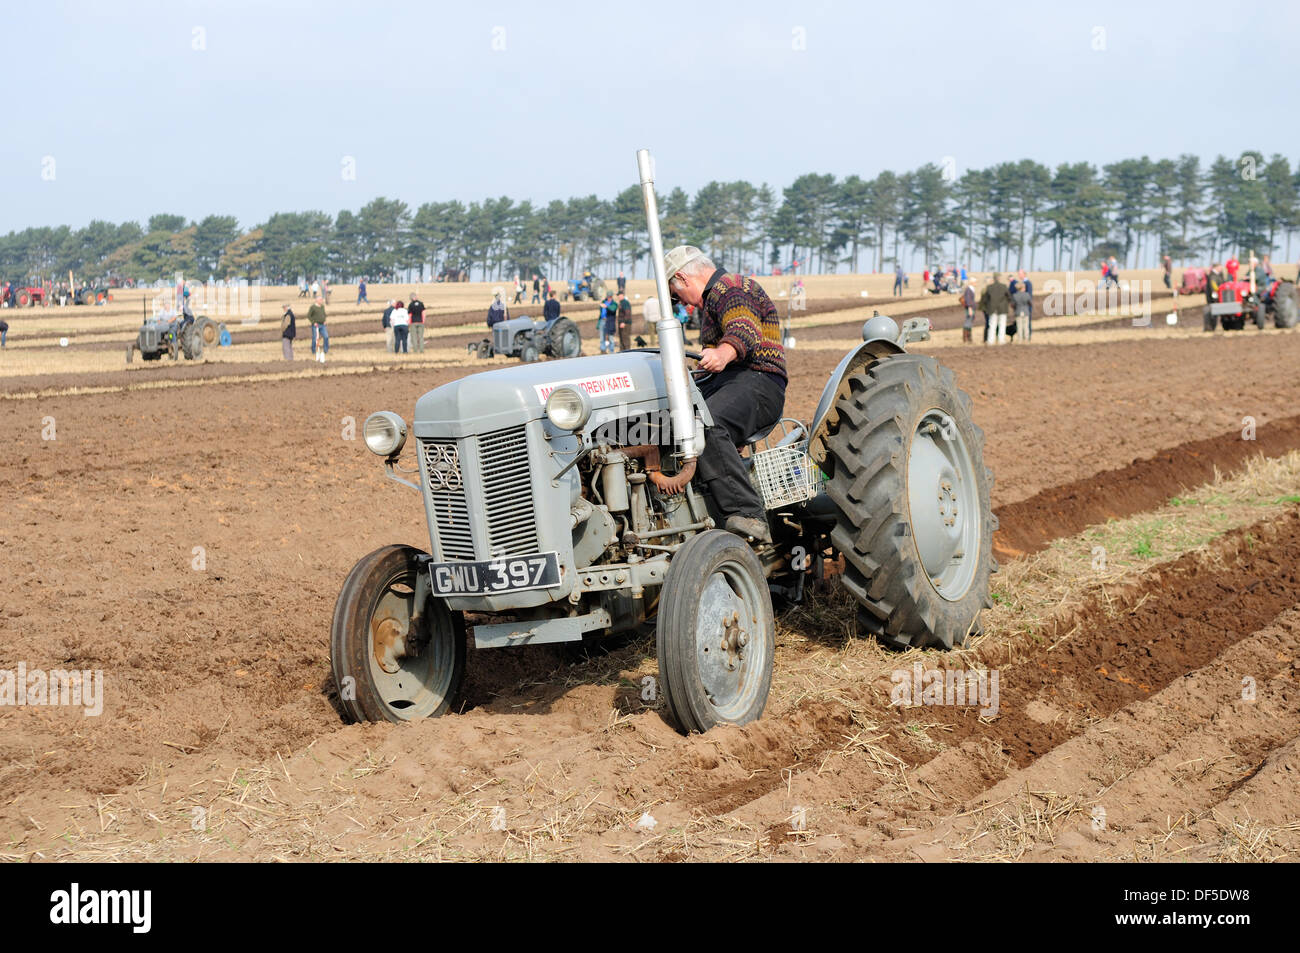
[[1277, 299], [31, 295], [1193, 281]]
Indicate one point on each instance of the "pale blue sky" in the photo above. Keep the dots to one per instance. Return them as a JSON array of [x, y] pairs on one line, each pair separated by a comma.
[[139, 121]]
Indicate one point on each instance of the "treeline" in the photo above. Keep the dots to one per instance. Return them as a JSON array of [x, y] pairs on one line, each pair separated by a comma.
[[1015, 214]]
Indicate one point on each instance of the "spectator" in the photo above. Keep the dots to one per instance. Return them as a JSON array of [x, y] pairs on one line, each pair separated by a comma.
[[4, 331], [361, 292], [315, 289], [537, 288], [607, 324], [968, 302], [302, 287], [519, 290], [388, 325], [288, 331], [622, 284], [401, 321], [1022, 302], [496, 310], [316, 315], [1169, 272], [546, 289], [963, 274], [416, 310], [325, 289], [624, 318], [898, 281], [994, 303], [925, 277]]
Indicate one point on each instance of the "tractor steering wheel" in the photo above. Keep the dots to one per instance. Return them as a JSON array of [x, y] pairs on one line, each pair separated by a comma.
[[698, 375]]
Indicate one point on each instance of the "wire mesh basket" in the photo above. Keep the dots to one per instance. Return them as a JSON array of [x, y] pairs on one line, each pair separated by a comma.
[[784, 475]]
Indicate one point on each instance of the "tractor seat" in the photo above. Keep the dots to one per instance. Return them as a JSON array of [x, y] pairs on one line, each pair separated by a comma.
[[757, 436]]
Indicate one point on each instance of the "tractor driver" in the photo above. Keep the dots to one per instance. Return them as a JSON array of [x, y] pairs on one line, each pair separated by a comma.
[[741, 338]]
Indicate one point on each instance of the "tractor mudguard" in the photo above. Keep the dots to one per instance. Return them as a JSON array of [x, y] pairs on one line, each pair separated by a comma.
[[864, 355]]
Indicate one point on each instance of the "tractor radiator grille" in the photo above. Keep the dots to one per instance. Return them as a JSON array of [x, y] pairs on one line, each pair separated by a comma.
[[440, 462], [507, 500], [507, 493]]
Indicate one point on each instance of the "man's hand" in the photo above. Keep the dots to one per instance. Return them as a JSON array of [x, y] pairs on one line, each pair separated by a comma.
[[716, 358]]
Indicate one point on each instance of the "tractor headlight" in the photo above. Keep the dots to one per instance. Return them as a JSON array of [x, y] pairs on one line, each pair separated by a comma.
[[568, 407], [385, 433]]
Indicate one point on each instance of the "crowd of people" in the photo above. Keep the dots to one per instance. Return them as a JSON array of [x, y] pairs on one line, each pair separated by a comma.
[[1007, 309]]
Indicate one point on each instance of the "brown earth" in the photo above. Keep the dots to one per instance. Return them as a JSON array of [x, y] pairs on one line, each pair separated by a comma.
[[191, 547]]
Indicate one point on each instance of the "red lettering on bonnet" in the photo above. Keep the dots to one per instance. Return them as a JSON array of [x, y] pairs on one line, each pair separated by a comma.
[[595, 386]]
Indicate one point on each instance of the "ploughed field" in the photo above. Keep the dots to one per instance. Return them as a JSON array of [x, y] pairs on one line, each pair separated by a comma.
[[186, 530]]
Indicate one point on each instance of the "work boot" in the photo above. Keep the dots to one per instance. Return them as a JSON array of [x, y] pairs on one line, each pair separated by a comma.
[[749, 528], [965, 336]]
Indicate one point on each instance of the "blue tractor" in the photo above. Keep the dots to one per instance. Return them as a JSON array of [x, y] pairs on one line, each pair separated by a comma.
[[586, 288]]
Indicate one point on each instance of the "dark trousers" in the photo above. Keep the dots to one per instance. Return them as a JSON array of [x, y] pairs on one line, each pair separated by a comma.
[[742, 402], [400, 333]]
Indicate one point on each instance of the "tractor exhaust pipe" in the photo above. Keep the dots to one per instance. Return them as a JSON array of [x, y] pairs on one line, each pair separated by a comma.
[[672, 342]]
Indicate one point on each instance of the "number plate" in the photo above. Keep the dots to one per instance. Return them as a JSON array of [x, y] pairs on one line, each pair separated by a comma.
[[507, 574]]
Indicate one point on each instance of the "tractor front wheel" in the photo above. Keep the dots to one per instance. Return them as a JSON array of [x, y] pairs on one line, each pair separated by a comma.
[[393, 660], [905, 471], [208, 330], [715, 633]]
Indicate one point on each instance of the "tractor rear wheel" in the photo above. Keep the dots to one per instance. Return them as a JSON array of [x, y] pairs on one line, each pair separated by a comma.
[[565, 340], [905, 471], [390, 662], [208, 330], [88, 297], [1284, 305], [715, 633]]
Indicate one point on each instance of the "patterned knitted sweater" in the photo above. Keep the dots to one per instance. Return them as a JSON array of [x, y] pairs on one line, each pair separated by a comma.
[[737, 311]]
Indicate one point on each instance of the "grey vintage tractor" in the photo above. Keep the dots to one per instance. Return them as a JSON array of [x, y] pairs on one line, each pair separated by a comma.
[[560, 505], [530, 340], [174, 336]]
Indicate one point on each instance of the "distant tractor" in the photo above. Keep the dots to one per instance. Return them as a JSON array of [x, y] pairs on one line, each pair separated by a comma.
[[92, 294], [530, 340], [30, 296], [1237, 301], [586, 288], [1193, 281], [174, 336]]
